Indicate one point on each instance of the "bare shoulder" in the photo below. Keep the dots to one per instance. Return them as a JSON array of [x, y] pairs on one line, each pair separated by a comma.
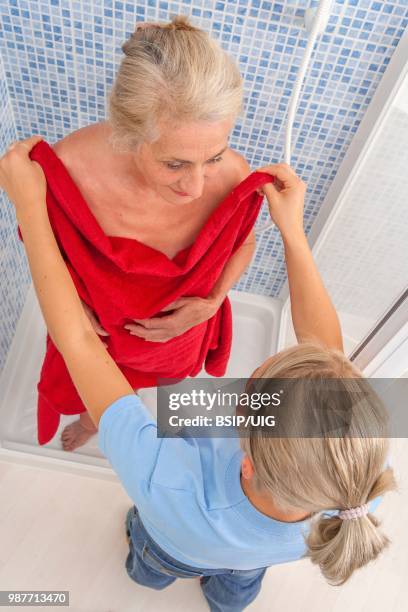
[[235, 171], [76, 143], [240, 168]]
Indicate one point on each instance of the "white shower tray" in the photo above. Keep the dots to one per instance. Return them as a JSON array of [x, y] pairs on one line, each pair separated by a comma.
[[256, 322]]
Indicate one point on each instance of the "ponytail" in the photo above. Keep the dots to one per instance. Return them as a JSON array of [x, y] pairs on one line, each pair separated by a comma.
[[341, 546], [326, 475]]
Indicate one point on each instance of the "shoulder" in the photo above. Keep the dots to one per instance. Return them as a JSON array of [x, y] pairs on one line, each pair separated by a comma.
[[238, 171], [235, 171], [75, 145], [239, 167]]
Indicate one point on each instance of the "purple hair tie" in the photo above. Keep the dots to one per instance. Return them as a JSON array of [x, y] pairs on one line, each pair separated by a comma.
[[353, 513]]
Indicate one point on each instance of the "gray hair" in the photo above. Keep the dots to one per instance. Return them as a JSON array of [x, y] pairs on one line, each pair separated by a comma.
[[172, 72], [321, 474]]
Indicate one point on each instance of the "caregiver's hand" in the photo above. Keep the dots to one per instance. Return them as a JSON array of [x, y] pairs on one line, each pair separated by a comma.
[[285, 198], [189, 311], [22, 179]]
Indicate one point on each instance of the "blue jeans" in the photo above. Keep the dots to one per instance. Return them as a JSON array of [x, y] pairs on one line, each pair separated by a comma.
[[225, 590]]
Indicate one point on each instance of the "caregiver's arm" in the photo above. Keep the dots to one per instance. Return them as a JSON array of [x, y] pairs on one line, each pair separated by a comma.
[[97, 379], [313, 314]]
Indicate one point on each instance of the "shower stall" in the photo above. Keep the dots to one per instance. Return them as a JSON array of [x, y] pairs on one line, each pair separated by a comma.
[[350, 145]]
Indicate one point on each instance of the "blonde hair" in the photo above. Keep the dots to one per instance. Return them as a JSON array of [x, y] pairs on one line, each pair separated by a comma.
[[319, 474], [173, 72]]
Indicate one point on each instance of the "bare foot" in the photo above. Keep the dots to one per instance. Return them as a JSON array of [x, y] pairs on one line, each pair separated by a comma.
[[77, 434]]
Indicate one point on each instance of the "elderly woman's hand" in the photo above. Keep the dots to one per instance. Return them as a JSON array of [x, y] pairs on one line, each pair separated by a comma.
[[189, 311], [97, 327]]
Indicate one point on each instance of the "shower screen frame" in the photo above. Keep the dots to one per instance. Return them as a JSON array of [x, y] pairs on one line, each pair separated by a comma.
[[392, 86]]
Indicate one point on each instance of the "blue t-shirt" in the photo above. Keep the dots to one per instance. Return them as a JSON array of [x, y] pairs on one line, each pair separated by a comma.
[[189, 495]]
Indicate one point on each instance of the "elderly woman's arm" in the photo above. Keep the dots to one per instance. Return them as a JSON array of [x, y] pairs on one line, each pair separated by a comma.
[[233, 271], [191, 311]]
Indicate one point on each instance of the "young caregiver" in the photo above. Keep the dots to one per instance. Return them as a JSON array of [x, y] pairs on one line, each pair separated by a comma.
[[222, 509]]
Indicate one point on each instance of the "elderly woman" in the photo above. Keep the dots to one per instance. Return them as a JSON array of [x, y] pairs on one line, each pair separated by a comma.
[[152, 177]]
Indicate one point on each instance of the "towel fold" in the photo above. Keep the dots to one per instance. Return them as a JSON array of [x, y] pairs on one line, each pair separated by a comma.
[[122, 279]]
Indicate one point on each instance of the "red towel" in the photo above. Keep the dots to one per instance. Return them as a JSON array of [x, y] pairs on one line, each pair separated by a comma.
[[122, 279]]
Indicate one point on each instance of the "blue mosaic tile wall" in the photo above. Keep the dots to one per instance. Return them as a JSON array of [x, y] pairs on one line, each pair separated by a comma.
[[60, 59], [14, 275]]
